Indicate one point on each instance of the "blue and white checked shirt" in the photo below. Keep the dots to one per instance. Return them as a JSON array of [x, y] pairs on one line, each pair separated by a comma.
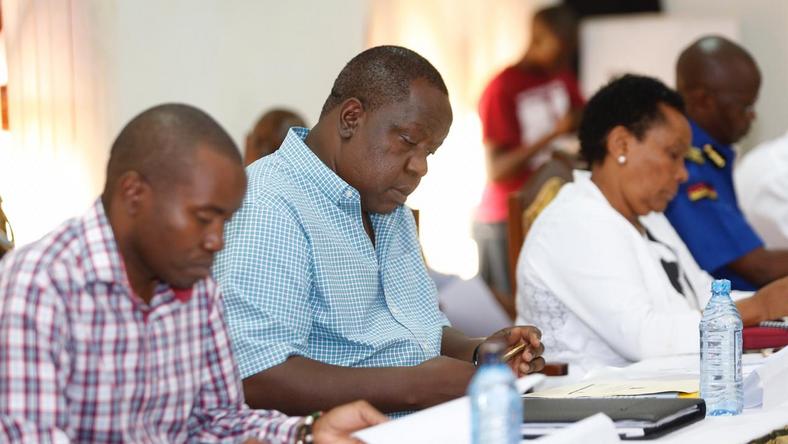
[[300, 276]]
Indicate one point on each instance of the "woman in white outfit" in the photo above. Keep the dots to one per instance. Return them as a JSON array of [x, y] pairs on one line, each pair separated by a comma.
[[602, 272]]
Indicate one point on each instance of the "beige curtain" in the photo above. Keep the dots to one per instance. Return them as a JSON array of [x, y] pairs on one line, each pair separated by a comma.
[[468, 41], [53, 157]]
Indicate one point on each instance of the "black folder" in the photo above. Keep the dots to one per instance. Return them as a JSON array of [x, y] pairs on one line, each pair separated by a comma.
[[634, 417]]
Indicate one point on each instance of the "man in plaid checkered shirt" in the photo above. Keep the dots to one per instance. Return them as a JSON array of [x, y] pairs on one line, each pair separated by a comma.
[[111, 329]]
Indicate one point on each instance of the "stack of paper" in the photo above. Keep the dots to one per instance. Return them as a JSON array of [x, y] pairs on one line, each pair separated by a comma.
[[607, 389]]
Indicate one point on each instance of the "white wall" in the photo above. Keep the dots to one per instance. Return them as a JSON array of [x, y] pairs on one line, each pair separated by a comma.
[[233, 58], [112, 59], [764, 32], [641, 44]]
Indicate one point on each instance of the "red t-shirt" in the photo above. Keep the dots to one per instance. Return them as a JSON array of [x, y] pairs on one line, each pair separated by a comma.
[[520, 107]]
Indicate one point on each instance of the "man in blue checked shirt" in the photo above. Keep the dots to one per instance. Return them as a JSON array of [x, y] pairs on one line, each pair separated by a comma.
[[327, 296]]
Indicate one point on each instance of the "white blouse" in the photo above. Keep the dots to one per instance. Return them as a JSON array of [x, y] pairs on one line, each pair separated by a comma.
[[598, 288]]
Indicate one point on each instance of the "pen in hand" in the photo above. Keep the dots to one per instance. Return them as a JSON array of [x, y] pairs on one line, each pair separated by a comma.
[[513, 352]]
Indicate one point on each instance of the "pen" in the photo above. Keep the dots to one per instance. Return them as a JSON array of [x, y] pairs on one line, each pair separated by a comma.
[[513, 352]]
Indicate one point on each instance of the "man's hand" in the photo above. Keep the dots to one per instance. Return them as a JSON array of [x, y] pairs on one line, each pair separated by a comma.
[[336, 425], [529, 360]]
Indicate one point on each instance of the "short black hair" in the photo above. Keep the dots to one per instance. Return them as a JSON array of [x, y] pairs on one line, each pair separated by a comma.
[[380, 76], [160, 142], [631, 101]]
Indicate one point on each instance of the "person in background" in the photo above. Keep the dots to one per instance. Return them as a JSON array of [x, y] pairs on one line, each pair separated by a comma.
[[346, 309], [269, 132], [111, 329], [761, 182], [719, 81], [523, 110], [602, 271]]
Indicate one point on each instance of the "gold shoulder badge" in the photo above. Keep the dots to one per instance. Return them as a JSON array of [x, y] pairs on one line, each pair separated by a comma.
[[713, 155], [695, 155], [701, 190]]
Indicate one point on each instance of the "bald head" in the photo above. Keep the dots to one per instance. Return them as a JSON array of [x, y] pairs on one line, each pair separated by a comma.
[[714, 62], [719, 81], [161, 143]]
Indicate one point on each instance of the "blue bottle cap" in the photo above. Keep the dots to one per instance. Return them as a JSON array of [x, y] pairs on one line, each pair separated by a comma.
[[721, 286]]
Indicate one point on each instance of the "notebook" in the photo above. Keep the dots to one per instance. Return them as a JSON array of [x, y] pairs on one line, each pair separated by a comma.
[[768, 334], [634, 417]]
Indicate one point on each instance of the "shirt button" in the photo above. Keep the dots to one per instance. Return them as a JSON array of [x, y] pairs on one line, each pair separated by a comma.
[[348, 194], [425, 346], [395, 310]]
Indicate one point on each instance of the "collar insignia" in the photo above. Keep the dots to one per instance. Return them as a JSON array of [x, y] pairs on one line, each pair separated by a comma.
[[716, 158]]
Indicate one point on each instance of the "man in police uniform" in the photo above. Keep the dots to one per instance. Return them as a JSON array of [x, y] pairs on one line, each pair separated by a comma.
[[719, 81]]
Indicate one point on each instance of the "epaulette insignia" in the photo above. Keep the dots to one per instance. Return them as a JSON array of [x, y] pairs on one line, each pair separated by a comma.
[[715, 157], [701, 190], [695, 155]]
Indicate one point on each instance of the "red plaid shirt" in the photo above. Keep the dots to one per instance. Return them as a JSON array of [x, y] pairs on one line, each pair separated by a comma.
[[82, 359]]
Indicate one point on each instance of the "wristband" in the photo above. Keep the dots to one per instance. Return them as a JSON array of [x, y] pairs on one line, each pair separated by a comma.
[[475, 357], [304, 435]]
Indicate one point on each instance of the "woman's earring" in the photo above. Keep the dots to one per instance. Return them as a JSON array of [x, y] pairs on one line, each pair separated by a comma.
[[622, 159]]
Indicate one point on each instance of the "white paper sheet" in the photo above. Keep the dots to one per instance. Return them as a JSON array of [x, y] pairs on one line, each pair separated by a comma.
[[767, 385], [751, 424], [599, 426], [472, 308], [447, 423]]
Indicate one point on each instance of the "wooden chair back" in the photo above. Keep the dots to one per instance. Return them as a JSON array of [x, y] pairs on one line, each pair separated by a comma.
[[526, 204]]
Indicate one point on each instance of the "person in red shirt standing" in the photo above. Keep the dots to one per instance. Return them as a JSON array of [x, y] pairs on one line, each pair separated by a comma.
[[523, 110]]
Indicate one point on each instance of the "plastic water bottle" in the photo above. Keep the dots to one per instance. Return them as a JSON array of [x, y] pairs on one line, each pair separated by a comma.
[[496, 406], [721, 384]]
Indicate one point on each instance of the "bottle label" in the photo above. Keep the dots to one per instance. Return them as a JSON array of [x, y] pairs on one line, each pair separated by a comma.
[[721, 352]]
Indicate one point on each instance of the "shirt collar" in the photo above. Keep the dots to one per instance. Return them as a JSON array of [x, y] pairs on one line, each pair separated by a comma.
[[583, 179], [700, 138], [297, 153], [102, 262]]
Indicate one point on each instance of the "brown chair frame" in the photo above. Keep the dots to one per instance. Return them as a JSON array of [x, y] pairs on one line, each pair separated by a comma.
[[524, 206]]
